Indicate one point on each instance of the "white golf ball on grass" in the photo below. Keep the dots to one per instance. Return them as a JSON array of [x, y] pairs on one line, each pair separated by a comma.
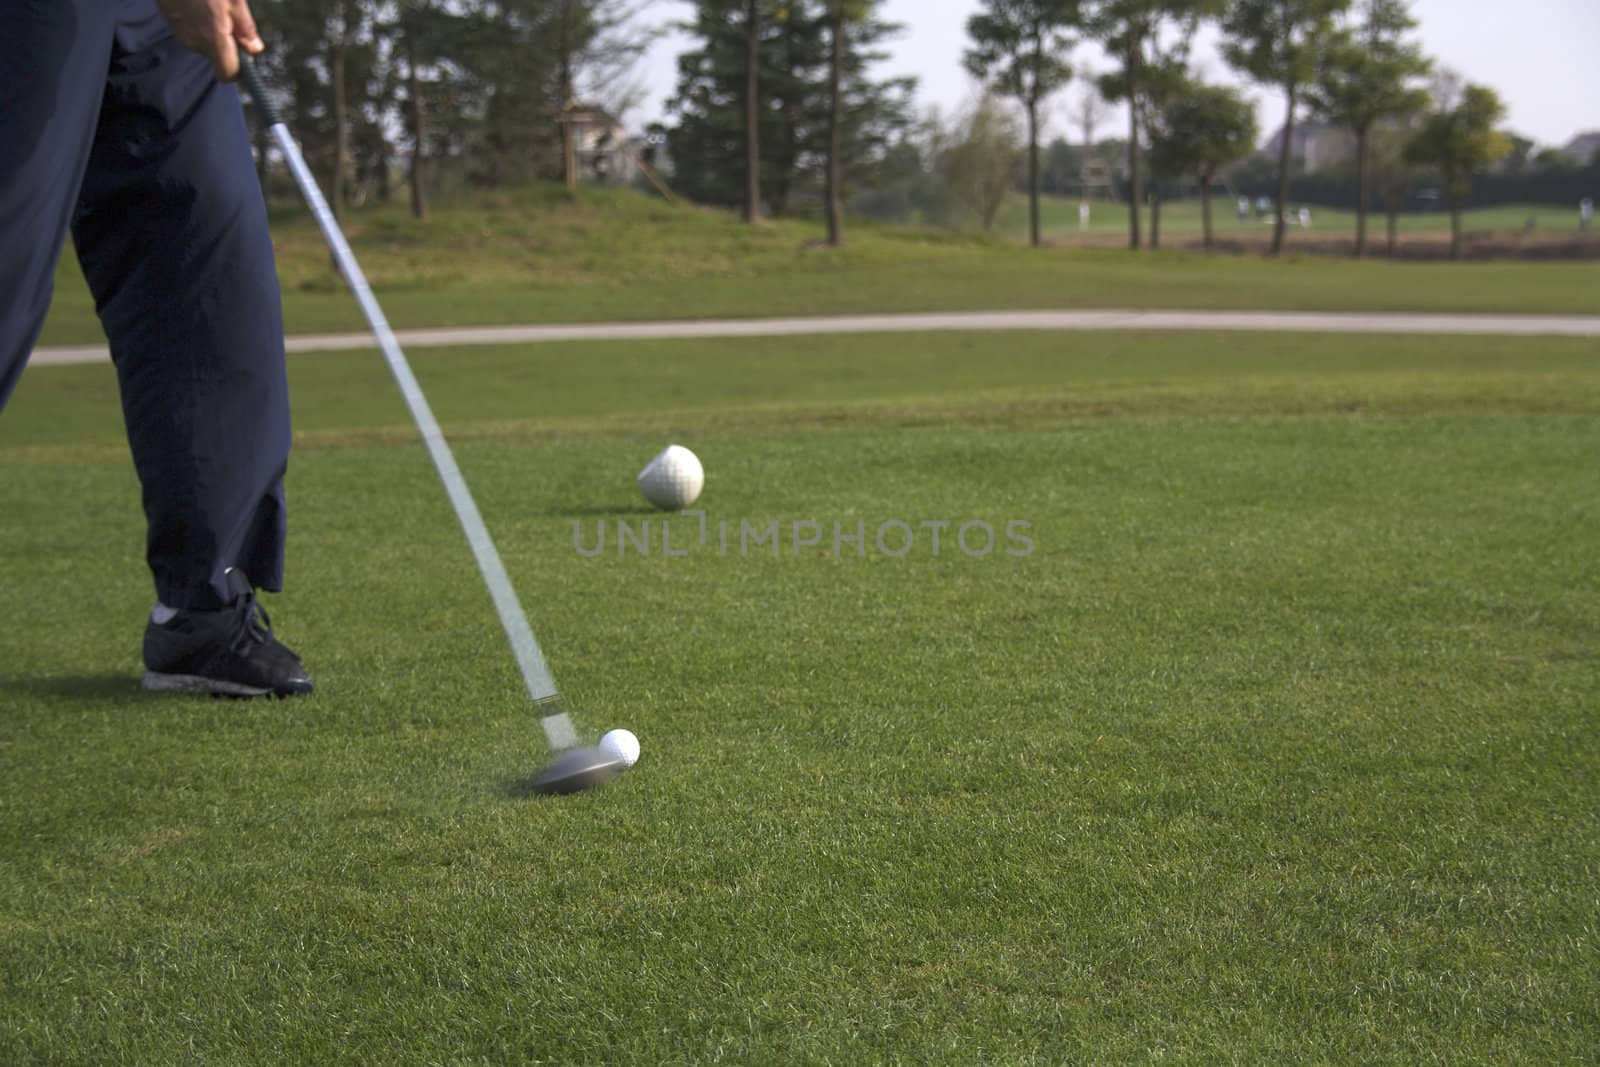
[[622, 745], [673, 479]]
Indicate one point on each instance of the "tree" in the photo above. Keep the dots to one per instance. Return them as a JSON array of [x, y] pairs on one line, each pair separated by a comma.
[[596, 44], [794, 106], [907, 182], [1198, 132], [1088, 113], [441, 59], [982, 165], [845, 18], [752, 111], [1519, 160], [1150, 40], [1282, 43], [833, 204], [872, 118], [1460, 140], [341, 41], [1368, 76], [1019, 48], [723, 98], [498, 79], [1555, 161], [410, 31], [307, 37], [358, 79], [1392, 176], [1059, 167]]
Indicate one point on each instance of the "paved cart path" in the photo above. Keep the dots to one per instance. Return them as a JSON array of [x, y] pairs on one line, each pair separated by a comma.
[[1359, 322]]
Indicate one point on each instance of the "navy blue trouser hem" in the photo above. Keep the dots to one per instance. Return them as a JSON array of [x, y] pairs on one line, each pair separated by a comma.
[[108, 126]]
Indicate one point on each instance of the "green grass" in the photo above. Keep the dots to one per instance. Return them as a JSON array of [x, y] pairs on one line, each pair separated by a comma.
[[1281, 746], [612, 386], [539, 255]]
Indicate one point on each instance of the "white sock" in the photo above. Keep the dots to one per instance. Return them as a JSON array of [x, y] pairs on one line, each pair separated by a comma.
[[161, 614]]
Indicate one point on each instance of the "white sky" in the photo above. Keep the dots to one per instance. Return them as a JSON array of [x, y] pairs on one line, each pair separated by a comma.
[[1541, 56]]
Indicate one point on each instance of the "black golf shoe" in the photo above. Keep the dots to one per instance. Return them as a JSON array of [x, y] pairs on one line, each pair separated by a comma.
[[224, 653]]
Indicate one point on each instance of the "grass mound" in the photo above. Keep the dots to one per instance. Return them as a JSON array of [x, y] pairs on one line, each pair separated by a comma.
[[543, 254]]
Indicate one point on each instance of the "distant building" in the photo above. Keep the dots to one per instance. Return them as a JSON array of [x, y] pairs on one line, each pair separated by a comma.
[[1315, 145], [601, 148], [1583, 148]]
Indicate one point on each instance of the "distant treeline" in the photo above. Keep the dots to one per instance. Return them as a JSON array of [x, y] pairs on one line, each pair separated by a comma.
[[441, 93], [1560, 185], [777, 109]]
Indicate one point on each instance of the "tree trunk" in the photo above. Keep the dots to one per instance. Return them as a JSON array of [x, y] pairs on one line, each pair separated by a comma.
[[1453, 192], [1363, 191], [569, 154], [419, 195], [336, 191], [385, 186], [1282, 205], [835, 180], [1205, 209], [1155, 216], [1033, 173], [1135, 193], [569, 150], [752, 112]]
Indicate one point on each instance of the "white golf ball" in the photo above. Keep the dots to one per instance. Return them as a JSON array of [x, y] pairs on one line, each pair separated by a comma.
[[673, 479], [621, 744]]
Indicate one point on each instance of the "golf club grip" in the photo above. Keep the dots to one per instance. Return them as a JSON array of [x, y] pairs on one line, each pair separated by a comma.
[[258, 90]]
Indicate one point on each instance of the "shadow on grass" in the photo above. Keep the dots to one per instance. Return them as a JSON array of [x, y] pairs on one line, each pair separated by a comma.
[[599, 512], [89, 688], [519, 788], [527, 788]]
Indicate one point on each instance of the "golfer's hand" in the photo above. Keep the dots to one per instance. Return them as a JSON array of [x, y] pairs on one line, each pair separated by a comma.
[[216, 29]]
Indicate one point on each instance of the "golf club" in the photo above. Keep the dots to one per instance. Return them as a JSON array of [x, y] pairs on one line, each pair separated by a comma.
[[574, 767]]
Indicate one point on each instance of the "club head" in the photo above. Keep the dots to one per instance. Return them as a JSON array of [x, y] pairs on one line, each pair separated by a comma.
[[575, 770]]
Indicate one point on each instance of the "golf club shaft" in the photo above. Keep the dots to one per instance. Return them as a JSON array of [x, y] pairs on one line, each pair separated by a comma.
[[541, 685]]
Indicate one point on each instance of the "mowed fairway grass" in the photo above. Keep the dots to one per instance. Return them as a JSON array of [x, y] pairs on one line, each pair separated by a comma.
[[1282, 745]]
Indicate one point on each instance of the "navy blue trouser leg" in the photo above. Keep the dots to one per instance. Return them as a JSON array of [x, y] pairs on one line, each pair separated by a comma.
[[172, 235], [53, 59]]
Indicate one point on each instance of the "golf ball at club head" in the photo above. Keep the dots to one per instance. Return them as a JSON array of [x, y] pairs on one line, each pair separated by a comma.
[[673, 479], [621, 744]]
